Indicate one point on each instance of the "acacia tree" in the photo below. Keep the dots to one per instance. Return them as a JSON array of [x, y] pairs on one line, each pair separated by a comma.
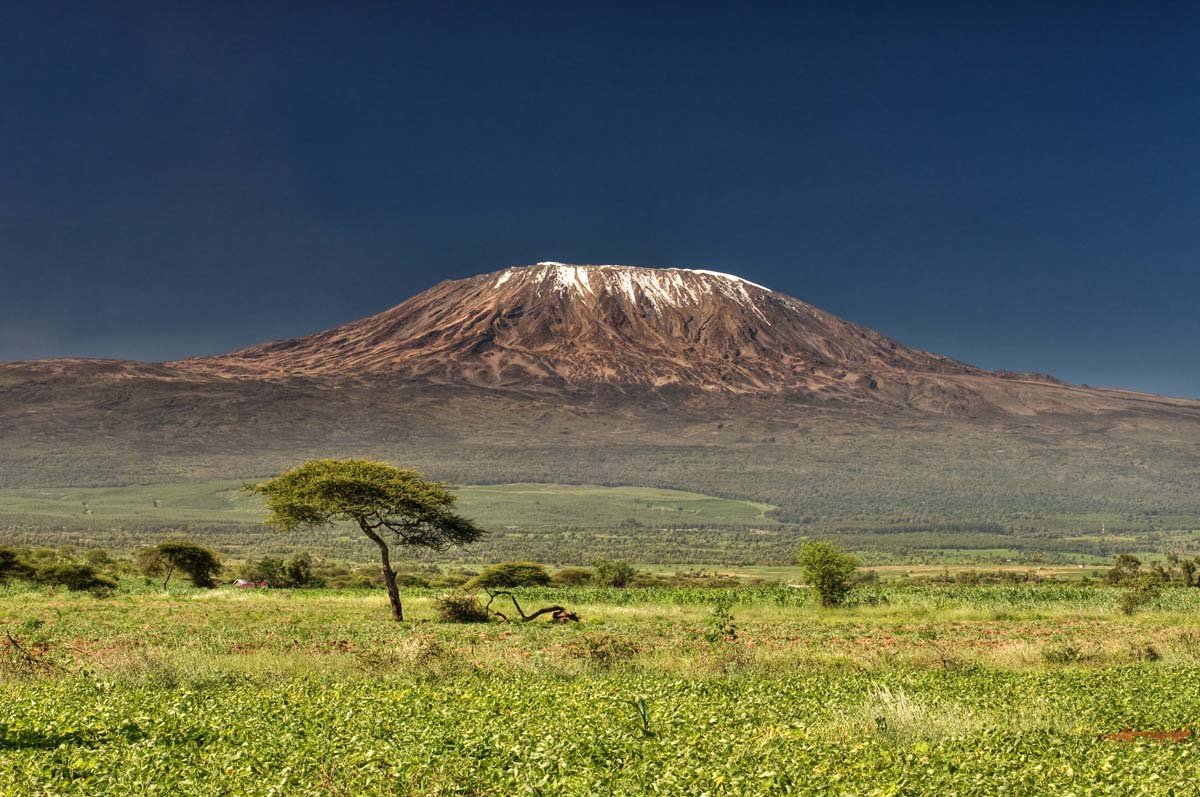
[[392, 506], [199, 563]]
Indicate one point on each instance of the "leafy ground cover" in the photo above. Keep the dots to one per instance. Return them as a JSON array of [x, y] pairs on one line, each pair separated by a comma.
[[914, 691]]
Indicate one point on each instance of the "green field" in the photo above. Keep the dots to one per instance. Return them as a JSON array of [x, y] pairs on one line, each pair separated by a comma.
[[912, 488], [524, 520], [930, 691], [557, 506], [566, 524], [500, 505]]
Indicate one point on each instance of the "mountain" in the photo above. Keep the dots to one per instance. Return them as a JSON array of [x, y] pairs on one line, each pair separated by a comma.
[[572, 327], [617, 375], [581, 325]]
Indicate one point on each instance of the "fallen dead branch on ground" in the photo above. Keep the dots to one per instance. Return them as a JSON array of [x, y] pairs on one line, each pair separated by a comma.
[[558, 614]]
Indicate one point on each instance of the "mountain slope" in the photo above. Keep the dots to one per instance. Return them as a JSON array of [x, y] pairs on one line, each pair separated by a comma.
[[568, 328], [583, 325]]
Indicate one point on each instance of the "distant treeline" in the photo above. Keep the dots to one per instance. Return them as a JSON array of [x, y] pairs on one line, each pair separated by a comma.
[[693, 545]]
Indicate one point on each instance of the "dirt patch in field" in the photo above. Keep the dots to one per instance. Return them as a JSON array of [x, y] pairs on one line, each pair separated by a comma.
[[1128, 735]]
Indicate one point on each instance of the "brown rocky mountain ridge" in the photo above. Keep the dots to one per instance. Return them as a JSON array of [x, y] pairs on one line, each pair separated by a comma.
[[554, 325], [583, 331], [566, 324]]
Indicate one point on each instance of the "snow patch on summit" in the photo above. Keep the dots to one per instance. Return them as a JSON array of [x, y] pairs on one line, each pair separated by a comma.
[[726, 276], [657, 287]]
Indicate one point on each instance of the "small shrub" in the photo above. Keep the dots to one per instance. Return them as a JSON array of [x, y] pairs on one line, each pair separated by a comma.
[[98, 557], [868, 597], [405, 578], [572, 577], [448, 581], [614, 573], [1137, 593], [458, 607], [1064, 654], [1187, 644], [299, 571], [721, 626], [428, 651], [897, 717], [12, 566], [1126, 568], [268, 570], [1143, 651], [604, 650], [278, 574], [828, 569]]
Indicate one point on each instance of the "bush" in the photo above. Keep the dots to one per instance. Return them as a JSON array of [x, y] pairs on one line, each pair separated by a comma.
[[75, 576], [603, 649], [13, 566], [408, 578], [98, 557], [572, 577], [511, 574], [616, 573], [828, 569], [1126, 569], [268, 570], [1143, 651], [1137, 593], [448, 581], [298, 572], [458, 607], [1067, 653], [721, 626]]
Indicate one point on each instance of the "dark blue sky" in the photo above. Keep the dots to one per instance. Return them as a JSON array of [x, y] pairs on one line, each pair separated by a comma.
[[1019, 187]]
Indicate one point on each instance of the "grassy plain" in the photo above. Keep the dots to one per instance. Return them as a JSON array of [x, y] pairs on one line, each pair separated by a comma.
[[566, 524], [501, 505], [914, 691], [910, 487], [520, 516]]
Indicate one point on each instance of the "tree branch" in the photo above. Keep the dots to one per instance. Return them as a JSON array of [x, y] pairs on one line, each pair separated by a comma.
[[31, 660], [559, 613]]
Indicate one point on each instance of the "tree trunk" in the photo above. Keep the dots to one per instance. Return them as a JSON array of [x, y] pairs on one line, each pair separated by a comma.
[[389, 575]]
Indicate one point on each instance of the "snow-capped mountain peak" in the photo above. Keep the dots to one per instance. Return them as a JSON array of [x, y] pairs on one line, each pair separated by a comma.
[[579, 325]]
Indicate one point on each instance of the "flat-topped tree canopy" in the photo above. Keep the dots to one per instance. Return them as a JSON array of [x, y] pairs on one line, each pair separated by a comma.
[[376, 495], [390, 505]]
